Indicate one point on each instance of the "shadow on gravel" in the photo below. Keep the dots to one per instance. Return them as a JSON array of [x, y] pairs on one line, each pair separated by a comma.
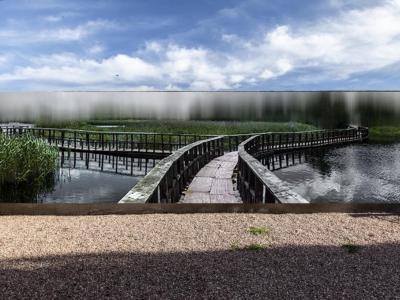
[[282, 272]]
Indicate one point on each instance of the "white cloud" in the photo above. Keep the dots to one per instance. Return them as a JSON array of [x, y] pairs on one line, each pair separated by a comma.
[[61, 16], [353, 41], [72, 70], [3, 60], [76, 33], [96, 49], [153, 46], [58, 34], [52, 19]]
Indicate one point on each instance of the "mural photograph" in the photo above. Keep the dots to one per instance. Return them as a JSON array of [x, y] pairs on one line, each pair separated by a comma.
[[200, 149]]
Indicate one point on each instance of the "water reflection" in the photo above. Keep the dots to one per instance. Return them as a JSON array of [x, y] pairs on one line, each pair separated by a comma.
[[123, 165], [354, 173], [84, 178]]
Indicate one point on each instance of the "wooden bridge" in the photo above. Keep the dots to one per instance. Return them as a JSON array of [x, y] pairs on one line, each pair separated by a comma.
[[136, 144], [172, 179], [193, 168]]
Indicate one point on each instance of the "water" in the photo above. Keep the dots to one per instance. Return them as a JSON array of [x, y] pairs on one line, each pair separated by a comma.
[[87, 186], [354, 173], [109, 126], [85, 178]]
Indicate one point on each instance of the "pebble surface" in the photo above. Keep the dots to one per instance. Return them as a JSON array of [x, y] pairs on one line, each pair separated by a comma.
[[200, 256]]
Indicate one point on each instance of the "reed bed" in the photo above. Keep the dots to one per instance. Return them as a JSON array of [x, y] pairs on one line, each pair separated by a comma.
[[181, 126], [25, 159]]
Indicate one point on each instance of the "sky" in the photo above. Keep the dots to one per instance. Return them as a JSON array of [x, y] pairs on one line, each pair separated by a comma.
[[204, 45]]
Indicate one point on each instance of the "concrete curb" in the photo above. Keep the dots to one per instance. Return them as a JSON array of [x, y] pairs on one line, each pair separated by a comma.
[[181, 208]]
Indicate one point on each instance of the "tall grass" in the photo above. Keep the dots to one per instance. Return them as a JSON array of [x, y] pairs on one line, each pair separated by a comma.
[[183, 127], [24, 159], [384, 134]]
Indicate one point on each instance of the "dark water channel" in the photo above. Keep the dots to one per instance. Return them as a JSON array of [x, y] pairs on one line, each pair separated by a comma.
[[353, 173], [84, 178]]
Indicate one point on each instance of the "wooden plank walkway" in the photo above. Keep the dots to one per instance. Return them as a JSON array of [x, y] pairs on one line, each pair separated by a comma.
[[213, 183]]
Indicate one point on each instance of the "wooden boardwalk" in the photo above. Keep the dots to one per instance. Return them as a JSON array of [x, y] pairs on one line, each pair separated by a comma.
[[213, 183]]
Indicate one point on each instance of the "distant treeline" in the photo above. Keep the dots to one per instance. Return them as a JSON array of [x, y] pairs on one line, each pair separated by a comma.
[[322, 109]]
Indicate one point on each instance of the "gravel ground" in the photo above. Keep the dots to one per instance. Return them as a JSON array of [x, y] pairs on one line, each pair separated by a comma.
[[200, 256]]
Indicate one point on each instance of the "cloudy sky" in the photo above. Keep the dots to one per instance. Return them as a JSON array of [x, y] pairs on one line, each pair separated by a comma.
[[199, 45]]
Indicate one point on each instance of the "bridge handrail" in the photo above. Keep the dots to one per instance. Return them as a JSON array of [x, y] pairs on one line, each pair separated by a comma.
[[232, 141], [166, 142], [167, 180], [129, 141], [256, 183], [167, 133], [102, 131], [115, 132]]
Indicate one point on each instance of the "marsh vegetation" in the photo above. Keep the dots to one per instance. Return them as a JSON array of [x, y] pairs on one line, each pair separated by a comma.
[[26, 159], [26, 164], [181, 127]]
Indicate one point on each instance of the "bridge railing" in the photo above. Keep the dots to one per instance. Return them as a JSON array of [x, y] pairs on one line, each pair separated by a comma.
[[284, 141], [168, 179], [257, 184], [107, 140], [315, 137], [13, 130], [153, 142]]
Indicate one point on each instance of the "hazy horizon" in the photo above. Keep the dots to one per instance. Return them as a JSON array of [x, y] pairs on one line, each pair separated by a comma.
[[326, 109]]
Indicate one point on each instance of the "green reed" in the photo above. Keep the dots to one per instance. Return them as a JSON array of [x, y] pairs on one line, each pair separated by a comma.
[[25, 159]]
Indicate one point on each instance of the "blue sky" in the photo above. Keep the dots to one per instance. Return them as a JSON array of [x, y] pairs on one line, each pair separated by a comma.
[[199, 45]]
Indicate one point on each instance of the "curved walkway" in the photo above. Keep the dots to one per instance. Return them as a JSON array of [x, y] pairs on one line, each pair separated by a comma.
[[213, 183]]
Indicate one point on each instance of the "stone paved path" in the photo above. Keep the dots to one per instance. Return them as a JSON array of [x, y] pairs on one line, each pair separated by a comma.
[[213, 183]]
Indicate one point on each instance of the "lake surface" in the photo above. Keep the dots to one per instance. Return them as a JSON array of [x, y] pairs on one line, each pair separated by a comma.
[[354, 173], [86, 178]]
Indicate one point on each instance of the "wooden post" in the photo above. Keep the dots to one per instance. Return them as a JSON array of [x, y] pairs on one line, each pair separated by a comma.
[[237, 143], [87, 141], [62, 138], [280, 141], [258, 191], [126, 142]]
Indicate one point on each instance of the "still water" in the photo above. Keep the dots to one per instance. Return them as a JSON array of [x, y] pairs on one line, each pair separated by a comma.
[[85, 178], [354, 173]]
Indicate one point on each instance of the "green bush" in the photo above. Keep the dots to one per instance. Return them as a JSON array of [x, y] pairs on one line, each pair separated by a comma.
[[24, 159]]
